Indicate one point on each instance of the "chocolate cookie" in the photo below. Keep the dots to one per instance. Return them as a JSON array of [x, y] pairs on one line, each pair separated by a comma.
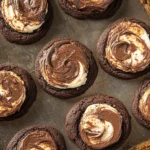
[[83, 9], [25, 22], [37, 137], [141, 104], [17, 92], [124, 49], [143, 146], [146, 5], [98, 122], [65, 68]]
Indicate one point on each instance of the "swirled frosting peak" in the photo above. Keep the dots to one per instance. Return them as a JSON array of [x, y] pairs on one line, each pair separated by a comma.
[[82, 4], [144, 105], [24, 15], [128, 47], [100, 126], [37, 140], [64, 65], [12, 93]]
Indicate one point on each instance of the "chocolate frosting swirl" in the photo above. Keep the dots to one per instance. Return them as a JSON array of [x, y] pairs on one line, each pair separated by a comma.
[[128, 47], [144, 105], [100, 126], [83, 4], [64, 65], [24, 15], [12, 93], [37, 140]]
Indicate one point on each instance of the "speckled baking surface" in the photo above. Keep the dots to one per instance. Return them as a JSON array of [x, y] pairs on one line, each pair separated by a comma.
[[49, 110]]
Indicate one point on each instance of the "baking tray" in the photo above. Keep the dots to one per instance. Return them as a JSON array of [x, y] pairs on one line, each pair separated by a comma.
[[50, 110]]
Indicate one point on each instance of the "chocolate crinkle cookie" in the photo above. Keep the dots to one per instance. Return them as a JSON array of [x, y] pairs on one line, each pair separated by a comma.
[[39, 137], [90, 9], [17, 92], [98, 122], [65, 68], [141, 104], [142, 146], [25, 22], [124, 49], [146, 5]]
